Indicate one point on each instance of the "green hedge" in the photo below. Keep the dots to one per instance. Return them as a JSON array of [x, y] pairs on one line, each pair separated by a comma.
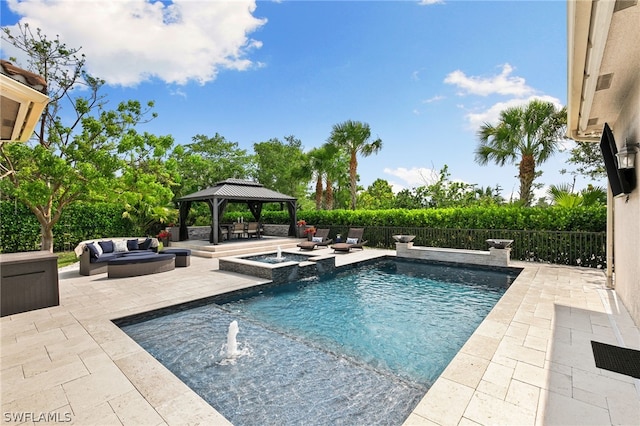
[[20, 230], [592, 219]]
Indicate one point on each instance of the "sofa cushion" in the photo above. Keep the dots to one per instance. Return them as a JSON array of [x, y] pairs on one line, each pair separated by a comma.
[[107, 246], [94, 253], [120, 246], [105, 257], [132, 245], [145, 245]]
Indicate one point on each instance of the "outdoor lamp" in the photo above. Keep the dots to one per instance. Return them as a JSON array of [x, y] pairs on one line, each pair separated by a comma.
[[627, 155]]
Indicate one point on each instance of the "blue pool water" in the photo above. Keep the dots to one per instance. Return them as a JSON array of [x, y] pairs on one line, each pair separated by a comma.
[[361, 346]]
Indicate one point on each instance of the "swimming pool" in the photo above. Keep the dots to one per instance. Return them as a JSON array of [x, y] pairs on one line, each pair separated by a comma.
[[360, 346]]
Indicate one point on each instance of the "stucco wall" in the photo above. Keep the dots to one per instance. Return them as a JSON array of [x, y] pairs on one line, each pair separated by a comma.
[[627, 214]]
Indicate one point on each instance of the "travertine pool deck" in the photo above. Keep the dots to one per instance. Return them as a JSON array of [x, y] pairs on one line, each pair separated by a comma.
[[528, 363]]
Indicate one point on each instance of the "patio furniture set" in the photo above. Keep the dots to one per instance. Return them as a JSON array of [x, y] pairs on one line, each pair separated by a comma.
[[242, 230], [130, 257]]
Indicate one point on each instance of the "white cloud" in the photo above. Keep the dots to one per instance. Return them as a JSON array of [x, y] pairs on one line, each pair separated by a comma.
[[130, 41], [503, 83], [413, 177], [492, 115], [430, 2], [433, 99]]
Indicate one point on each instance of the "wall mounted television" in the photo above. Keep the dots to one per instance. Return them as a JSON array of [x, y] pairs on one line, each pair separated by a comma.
[[621, 181]]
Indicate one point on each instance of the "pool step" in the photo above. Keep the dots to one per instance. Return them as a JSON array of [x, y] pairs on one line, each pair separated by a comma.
[[204, 249]]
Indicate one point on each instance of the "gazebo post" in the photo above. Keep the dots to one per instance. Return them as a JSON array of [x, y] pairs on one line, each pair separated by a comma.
[[185, 206], [215, 225]]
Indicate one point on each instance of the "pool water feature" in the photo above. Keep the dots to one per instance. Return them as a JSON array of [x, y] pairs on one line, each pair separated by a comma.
[[280, 267], [360, 346], [278, 257]]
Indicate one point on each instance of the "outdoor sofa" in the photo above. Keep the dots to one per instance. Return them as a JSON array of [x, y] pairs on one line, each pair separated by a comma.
[[95, 255]]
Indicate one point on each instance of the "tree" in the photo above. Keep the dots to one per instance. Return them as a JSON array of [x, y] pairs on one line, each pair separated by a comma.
[[208, 160], [329, 165], [530, 134], [283, 167], [75, 157], [588, 159], [378, 196], [147, 181], [320, 161], [353, 137]]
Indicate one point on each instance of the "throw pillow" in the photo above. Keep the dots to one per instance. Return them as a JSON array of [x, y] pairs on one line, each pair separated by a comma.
[[121, 246], [93, 252], [107, 246], [132, 245], [352, 241], [316, 239], [98, 248], [145, 245]]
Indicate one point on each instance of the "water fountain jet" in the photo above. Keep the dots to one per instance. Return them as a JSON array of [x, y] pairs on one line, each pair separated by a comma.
[[232, 343]]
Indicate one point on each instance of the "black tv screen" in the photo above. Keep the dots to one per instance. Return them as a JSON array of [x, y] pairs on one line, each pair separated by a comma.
[[620, 181]]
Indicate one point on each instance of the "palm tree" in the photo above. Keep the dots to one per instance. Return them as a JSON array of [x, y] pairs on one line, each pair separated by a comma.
[[562, 195], [530, 133], [320, 160], [353, 137]]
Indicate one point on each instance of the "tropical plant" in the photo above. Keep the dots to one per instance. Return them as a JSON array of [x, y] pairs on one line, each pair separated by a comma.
[[563, 196], [320, 160], [353, 137], [530, 134]]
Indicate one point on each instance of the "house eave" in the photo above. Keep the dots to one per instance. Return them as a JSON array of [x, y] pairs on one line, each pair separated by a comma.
[[21, 109]]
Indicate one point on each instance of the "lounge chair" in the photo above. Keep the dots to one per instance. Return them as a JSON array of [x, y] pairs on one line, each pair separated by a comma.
[[321, 238], [354, 240]]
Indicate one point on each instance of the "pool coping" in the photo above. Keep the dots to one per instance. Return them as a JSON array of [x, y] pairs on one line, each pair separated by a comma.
[[517, 367]]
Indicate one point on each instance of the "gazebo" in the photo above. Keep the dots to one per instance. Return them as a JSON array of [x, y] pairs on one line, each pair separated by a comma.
[[234, 191]]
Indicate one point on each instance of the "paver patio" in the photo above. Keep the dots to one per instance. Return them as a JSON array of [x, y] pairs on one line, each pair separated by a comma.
[[529, 362]]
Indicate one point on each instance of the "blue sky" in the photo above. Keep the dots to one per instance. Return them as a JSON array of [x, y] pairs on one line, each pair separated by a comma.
[[424, 76]]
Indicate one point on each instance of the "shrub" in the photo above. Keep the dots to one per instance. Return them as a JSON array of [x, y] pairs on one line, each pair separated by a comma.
[[20, 230]]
